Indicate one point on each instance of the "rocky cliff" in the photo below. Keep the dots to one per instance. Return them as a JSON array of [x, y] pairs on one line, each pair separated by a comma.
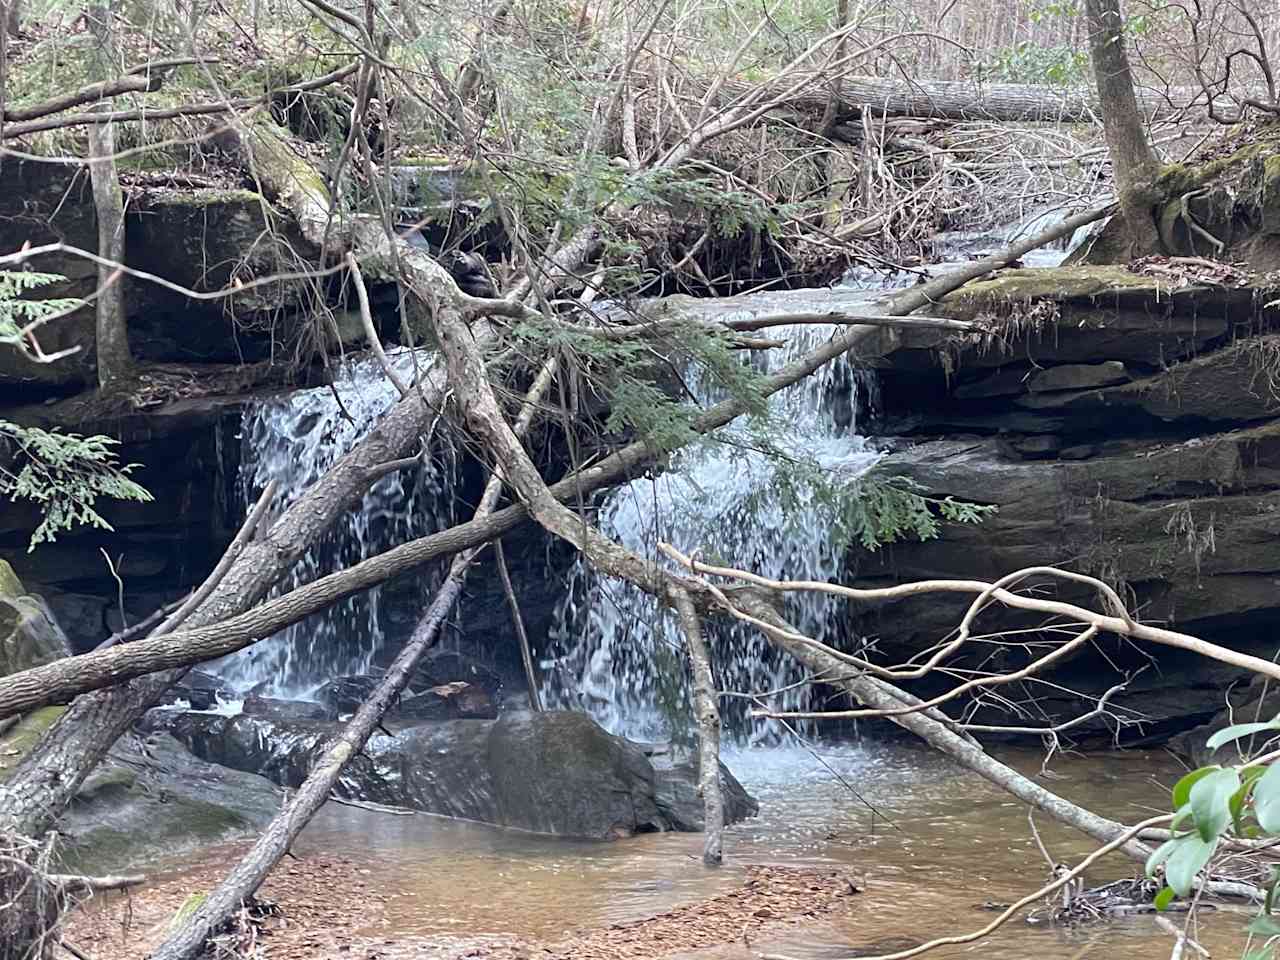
[[1124, 420]]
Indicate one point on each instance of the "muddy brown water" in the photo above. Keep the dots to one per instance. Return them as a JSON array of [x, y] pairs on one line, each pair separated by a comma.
[[940, 844]]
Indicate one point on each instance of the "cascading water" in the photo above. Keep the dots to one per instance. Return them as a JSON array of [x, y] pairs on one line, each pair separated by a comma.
[[616, 655], [295, 439]]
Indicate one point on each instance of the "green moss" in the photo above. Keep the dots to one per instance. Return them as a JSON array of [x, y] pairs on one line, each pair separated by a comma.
[[208, 198], [15, 744], [10, 585], [1057, 283], [188, 908]]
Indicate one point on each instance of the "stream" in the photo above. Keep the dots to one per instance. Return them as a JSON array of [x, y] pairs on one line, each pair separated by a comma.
[[942, 843]]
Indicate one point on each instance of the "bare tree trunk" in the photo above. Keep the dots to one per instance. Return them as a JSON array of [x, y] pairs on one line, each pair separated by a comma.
[[10, 17], [708, 711], [1133, 162], [517, 623], [960, 100], [115, 361]]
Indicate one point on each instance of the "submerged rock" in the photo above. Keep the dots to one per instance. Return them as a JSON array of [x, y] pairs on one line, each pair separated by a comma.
[[557, 772]]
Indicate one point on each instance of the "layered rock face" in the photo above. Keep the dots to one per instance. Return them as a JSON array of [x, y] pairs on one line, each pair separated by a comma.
[[1126, 427]]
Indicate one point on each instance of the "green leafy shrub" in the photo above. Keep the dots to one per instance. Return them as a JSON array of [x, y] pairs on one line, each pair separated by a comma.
[[1212, 805]]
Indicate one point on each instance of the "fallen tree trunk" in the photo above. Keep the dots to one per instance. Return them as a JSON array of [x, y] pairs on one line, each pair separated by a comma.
[[966, 100]]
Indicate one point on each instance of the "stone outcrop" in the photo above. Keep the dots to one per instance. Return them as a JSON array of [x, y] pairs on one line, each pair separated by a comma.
[[29, 634], [1125, 430], [556, 773]]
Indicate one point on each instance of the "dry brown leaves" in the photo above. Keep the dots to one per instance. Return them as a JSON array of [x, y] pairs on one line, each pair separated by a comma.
[[771, 897], [332, 907]]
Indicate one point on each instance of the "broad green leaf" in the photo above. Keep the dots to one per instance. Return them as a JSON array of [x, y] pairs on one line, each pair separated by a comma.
[[1182, 789], [1266, 800], [1238, 730], [1160, 855], [1210, 802], [1183, 813], [1260, 953], [1164, 898], [1264, 926], [1188, 860]]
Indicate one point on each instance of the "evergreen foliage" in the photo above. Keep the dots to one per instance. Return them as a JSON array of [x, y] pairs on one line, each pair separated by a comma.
[[17, 314], [64, 474]]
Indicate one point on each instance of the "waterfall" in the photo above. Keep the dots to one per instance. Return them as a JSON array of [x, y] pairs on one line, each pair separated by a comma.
[[616, 655], [295, 439]]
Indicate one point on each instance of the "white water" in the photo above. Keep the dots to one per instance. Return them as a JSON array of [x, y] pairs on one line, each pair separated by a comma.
[[295, 439], [614, 654]]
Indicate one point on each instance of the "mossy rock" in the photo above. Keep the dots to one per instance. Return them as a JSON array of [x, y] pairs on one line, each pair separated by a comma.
[[15, 744], [29, 635], [1059, 284], [10, 585], [152, 799]]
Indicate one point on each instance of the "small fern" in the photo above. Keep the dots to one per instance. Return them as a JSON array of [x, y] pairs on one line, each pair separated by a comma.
[[64, 474]]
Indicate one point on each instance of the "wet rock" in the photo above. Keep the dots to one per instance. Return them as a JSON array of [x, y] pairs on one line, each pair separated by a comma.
[[344, 695], [1036, 448], [441, 667], [677, 794], [450, 701], [269, 708], [202, 690], [555, 772]]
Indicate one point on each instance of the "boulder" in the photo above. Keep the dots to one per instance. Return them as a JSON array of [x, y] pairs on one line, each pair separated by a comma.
[[29, 634], [556, 773], [1078, 376], [456, 700], [201, 690], [151, 799], [343, 695]]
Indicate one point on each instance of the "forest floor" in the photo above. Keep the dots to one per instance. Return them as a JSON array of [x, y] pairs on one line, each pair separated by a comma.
[[334, 908]]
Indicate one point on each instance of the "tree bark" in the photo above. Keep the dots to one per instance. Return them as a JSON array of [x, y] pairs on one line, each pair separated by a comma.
[[708, 715], [1133, 162], [115, 361], [10, 17]]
